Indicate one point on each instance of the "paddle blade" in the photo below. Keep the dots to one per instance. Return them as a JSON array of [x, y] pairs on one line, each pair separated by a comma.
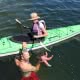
[[44, 46], [18, 21]]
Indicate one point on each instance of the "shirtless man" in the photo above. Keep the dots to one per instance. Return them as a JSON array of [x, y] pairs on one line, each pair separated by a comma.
[[28, 70]]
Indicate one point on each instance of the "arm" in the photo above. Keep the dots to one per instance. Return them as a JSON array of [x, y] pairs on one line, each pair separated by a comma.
[[49, 58], [38, 66], [17, 62], [43, 30], [43, 35], [33, 68]]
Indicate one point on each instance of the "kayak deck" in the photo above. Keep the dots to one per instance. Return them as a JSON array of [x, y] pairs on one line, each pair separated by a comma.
[[9, 47]]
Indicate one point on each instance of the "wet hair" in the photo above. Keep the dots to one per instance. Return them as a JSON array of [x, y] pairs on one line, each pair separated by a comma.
[[18, 57], [24, 50], [21, 51]]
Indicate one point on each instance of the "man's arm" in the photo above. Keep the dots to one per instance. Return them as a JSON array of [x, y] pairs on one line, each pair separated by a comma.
[[17, 62], [34, 68], [38, 66]]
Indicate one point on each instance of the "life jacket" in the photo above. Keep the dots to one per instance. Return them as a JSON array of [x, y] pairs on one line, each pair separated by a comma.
[[38, 24], [43, 22]]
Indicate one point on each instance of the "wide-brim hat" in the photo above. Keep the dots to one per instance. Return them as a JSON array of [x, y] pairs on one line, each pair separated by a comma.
[[34, 16]]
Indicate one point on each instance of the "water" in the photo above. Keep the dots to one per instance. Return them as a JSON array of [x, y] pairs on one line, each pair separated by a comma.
[[56, 13]]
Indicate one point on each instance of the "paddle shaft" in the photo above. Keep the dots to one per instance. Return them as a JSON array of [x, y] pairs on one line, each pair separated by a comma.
[[25, 27], [19, 22]]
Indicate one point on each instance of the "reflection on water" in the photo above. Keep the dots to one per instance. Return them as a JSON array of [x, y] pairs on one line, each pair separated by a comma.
[[56, 13]]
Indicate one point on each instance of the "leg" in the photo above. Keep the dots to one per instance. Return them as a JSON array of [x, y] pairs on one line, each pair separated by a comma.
[[47, 63], [49, 58]]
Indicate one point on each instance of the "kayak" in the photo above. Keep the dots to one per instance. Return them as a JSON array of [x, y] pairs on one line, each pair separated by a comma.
[[10, 46]]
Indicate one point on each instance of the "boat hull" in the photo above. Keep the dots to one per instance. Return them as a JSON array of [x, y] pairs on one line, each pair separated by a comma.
[[10, 46]]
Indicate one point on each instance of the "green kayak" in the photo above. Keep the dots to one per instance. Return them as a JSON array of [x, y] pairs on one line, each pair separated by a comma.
[[10, 47]]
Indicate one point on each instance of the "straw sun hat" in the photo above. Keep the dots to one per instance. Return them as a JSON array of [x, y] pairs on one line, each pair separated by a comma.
[[34, 16]]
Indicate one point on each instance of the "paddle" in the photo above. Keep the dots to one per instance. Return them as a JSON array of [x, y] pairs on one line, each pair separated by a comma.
[[18, 21], [29, 28], [23, 28], [44, 46]]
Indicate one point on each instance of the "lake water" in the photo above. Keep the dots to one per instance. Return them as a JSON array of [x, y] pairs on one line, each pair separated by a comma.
[[56, 13]]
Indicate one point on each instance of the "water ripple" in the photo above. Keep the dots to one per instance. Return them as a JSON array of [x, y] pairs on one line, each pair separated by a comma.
[[55, 12]]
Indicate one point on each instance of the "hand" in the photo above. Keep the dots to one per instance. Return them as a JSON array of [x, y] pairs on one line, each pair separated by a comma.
[[40, 61], [35, 36]]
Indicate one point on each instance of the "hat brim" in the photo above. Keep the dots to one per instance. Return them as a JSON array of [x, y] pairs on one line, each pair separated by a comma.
[[34, 18]]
